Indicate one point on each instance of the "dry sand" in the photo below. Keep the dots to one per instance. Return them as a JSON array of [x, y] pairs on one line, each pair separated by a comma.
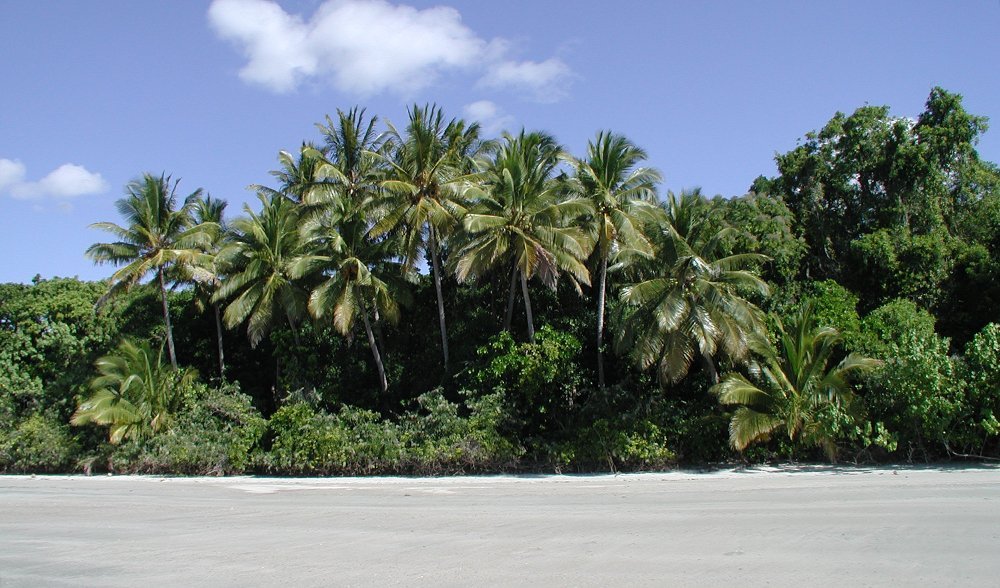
[[801, 526]]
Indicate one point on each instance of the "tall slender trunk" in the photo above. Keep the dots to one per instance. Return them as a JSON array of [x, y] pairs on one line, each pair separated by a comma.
[[166, 318], [509, 317], [218, 335], [527, 307], [374, 347], [436, 263], [377, 327], [601, 280], [291, 325]]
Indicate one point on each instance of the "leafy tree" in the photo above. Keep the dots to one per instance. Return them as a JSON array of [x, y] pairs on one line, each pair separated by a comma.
[[428, 167], [156, 236], [793, 387], [522, 220], [693, 307], [135, 394], [767, 227], [881, 201], [620, 191]]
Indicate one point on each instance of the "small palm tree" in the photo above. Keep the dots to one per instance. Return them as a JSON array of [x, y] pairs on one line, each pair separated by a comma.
[[428, 168], [693, 307], [622, 195], [792, 386], [524, 220], [135, 394], [156, 236]]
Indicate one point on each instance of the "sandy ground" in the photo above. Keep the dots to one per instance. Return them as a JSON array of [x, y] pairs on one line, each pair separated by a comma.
[[809, 526]]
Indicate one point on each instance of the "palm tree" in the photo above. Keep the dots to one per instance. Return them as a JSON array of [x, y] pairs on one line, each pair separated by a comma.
[[523, 221], [156, 236], [428, 169], [257, 262], [296, 174], [135, 394], [620, 192], [794, 385], [357, 268], [205, 273], [693, 306]]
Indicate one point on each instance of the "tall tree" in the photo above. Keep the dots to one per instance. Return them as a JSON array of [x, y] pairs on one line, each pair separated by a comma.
[[428, 170], [620, 192], [156, 236], [525, 221], [693, 305], [205, 272], [357, 268], [792, 386]]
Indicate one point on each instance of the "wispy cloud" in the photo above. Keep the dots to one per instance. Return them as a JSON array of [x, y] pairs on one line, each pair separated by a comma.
[[64, 183], [545, 81], [371, 46], [490, 116]]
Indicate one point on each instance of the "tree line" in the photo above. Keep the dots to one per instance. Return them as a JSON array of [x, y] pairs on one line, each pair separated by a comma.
[[424, 299]]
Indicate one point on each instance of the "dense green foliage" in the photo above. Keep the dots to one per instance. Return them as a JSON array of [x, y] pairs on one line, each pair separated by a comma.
[[364, 317]]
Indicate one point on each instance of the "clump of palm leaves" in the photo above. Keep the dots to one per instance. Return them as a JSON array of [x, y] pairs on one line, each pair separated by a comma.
[[135, 393], [792, 387]]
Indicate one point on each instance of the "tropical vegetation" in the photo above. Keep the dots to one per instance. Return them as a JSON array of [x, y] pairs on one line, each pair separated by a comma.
[[362, 316]]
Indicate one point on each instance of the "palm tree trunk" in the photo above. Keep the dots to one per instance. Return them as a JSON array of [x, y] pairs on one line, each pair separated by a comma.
[[436, 266], [713, 374], [166, 318], [291, 325], [371, 343], [527, 307], [218, 335], [600, 317], [509, 317]]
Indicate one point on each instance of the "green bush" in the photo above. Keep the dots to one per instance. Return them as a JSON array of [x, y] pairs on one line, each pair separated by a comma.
[[308, 441], [918, 393], [38, 444], [438, 440], [539, 382], [213, 435], [982, 376]]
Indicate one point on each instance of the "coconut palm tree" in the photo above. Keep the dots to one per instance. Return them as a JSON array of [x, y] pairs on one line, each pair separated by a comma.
[[257, 262], [622, 193], [693, 305], [792, 385], [296, 175], [156, 236], [135, 394], [357, 268], [428, 167], [523, 220], [205, 273]]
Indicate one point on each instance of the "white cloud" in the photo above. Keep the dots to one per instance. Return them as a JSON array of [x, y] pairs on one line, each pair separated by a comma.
[[369, 46], [546, 81], [63, 183], [11, 173], [489, 116]]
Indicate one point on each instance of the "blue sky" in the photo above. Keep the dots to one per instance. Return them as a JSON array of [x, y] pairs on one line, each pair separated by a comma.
[[96, 93]]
